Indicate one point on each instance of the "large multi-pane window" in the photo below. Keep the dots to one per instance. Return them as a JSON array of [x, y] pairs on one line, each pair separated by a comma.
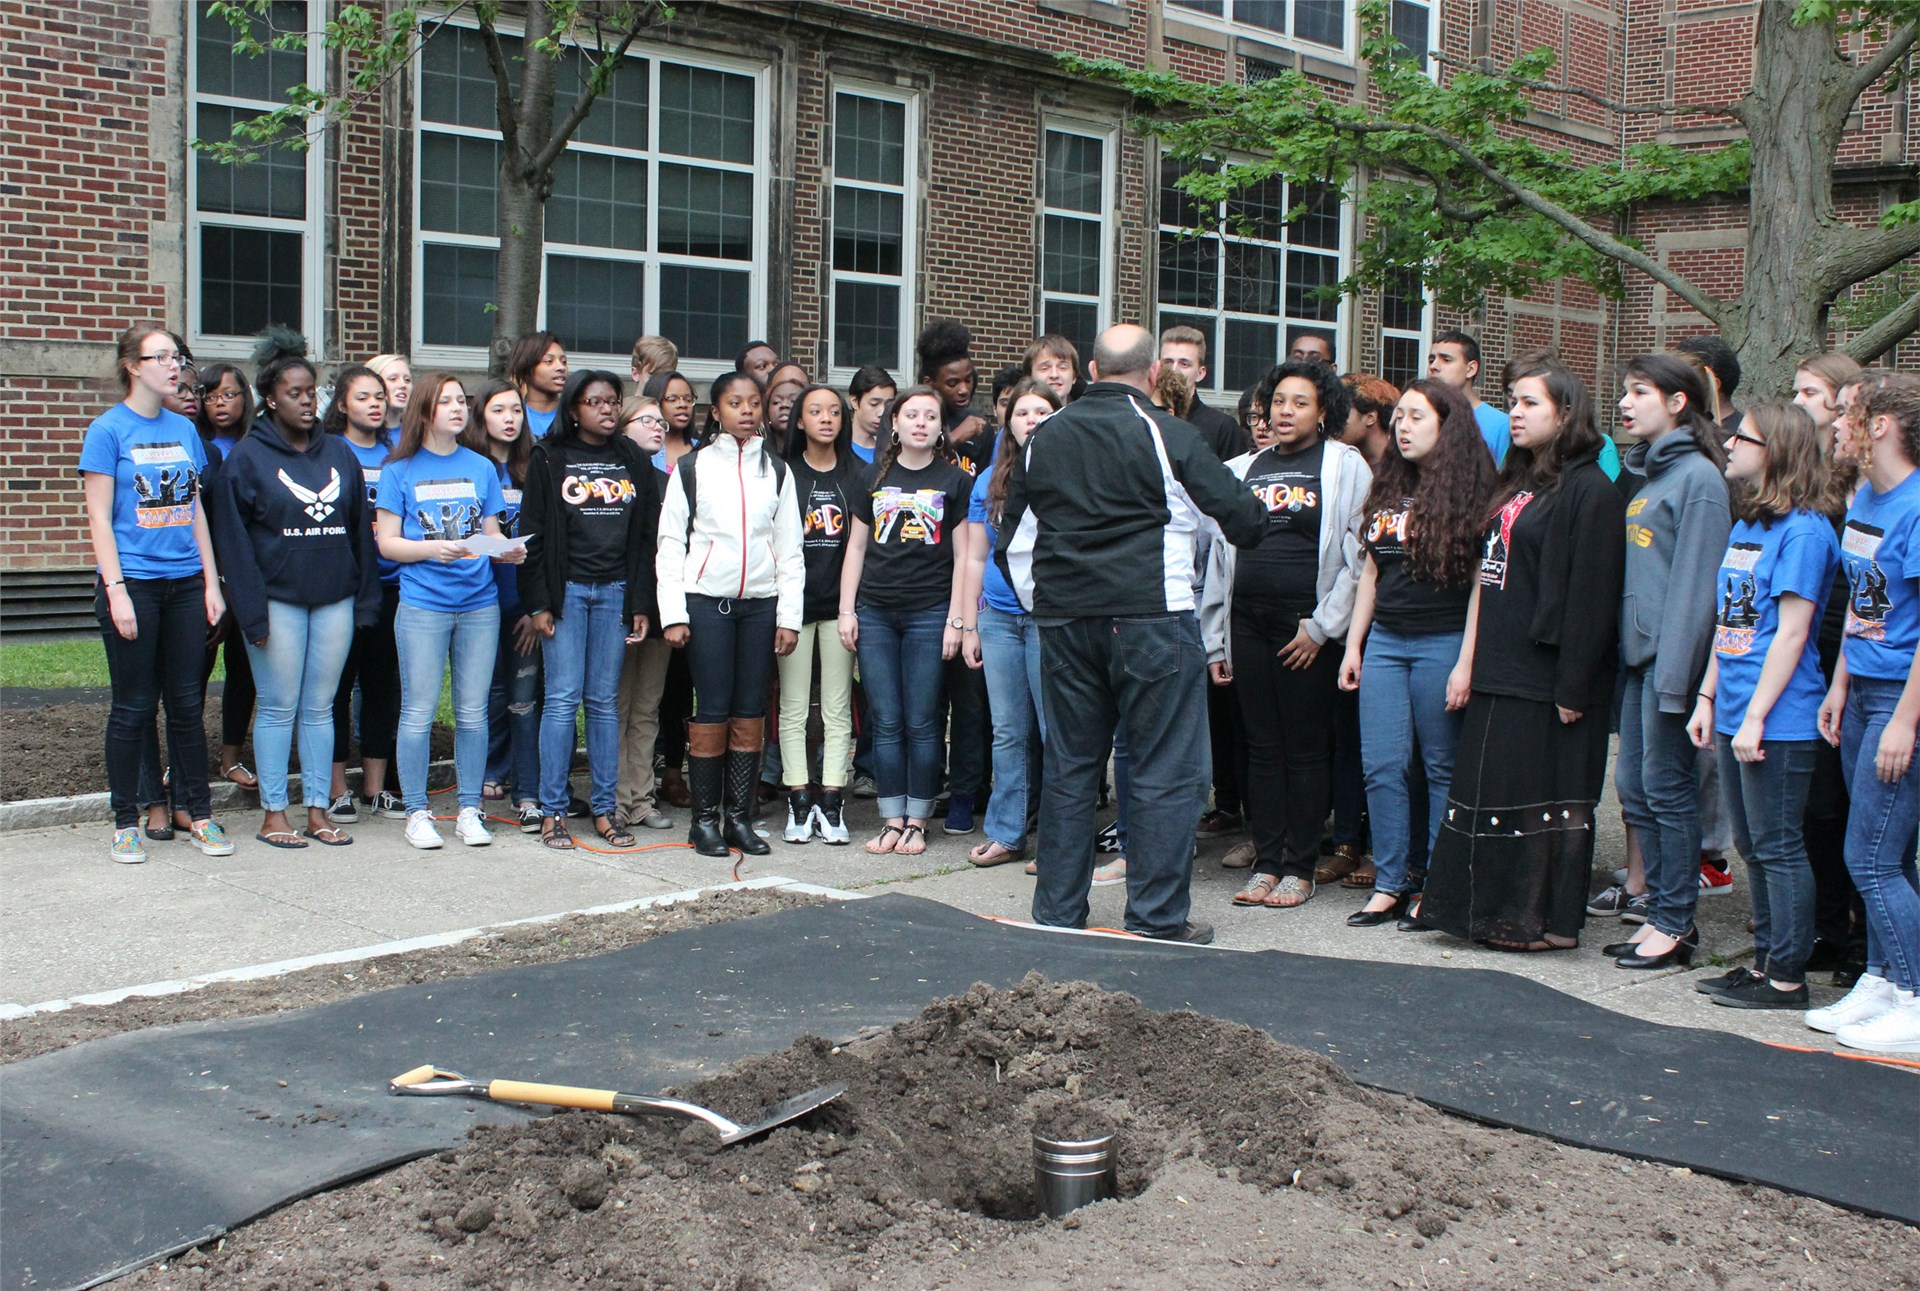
[[873, 221], [656, 219], [1411, 21], [1405, 324], [1075, 233], [1251, 273], [1319, 22], [252, 250]]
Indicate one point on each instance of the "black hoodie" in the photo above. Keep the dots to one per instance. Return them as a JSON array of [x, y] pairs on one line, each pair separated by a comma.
[[293, 526]]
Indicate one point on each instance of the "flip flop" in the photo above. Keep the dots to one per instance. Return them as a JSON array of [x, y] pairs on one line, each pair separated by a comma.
[[340, 837], [907, 834], [238, 770], [296, 845], [879, 845]]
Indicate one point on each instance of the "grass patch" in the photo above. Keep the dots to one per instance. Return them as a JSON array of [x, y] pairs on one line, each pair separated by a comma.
[[56, 665]]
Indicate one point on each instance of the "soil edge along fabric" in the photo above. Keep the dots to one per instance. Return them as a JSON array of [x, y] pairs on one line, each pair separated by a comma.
[[124, 1150]]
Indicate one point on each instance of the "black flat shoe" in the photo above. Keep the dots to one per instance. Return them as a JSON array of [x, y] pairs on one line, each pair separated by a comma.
[[1614, 950], [1374, 918], [1410, 920], [1681, 954]]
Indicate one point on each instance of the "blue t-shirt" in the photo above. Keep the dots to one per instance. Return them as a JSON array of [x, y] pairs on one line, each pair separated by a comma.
[[541, 422], [443, 499], [156, 463], [864, 454], [1610, 457], [1880, 550], [371, 460], [993, 586], [1496, 429], [506, 578], [1796, 553]]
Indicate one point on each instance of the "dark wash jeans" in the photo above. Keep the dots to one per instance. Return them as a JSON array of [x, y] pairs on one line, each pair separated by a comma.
[[1659, 797], [1766, 805], [1147, 674], [162, 661]]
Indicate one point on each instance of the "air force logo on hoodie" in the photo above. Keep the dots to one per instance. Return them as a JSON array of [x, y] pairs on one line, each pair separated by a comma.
[[318, 505]]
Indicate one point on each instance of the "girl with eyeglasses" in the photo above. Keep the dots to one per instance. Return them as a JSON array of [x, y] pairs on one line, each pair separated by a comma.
[[644, 667], [159, 586], [674, 393], [434, 496]]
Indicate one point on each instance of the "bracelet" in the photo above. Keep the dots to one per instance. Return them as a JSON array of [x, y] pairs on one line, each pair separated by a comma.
[[849, 614], [975, 631], [1704, 695], [115, 582]]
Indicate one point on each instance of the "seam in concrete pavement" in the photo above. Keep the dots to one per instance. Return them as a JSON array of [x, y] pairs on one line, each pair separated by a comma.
[[278, 968]]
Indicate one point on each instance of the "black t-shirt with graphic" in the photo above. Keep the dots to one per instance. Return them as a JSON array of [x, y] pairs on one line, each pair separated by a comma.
[[1283, 572], [597, 495], [913, 519], [1506, 658], [1401, 602], [827, 502]]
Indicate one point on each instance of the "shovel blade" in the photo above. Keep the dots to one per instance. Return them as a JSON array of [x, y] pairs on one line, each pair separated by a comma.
[[790, 1110]]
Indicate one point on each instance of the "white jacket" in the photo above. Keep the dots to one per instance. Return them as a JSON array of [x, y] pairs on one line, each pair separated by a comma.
[[1345, 478], [745, 541]]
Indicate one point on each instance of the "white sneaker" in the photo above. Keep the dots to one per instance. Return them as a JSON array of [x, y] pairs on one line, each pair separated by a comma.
[[799, 817], [1896, 1030], [420, 831], [830, 821], [1870, 997], [471, 829]]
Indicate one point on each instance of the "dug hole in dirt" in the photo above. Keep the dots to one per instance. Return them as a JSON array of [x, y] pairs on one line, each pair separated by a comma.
[[1242, 1163]]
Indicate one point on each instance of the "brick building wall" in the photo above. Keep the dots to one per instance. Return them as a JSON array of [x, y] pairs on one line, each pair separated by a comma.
[[95, 113]]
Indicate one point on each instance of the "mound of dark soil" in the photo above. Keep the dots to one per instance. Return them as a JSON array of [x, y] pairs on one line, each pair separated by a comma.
[[1242, 1164]]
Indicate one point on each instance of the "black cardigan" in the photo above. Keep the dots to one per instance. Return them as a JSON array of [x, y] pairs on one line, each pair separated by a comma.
[[544, 576]]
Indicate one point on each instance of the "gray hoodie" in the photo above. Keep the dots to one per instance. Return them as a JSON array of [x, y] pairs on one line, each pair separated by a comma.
[[1677, 528]]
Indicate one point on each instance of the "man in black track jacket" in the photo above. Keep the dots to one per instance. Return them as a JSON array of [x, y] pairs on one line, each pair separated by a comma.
[[1098, 539]]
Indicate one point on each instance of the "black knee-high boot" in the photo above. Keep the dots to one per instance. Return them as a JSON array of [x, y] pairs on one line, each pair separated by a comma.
[[746, 741], [706, 776]]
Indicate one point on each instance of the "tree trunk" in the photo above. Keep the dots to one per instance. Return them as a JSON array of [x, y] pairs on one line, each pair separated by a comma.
[[1795, 121], [522, 212]]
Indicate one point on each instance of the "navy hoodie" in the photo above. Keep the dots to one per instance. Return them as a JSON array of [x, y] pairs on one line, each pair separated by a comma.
[[293, 526]]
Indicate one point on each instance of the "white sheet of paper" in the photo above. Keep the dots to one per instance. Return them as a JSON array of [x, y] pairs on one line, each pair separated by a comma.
[[482, 544]]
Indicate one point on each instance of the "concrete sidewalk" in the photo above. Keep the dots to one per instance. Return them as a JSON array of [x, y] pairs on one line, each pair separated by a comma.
[[72, 922]]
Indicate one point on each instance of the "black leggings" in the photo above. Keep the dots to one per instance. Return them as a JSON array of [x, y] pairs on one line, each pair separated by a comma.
[[1289, 721], [375, 662], [730, 653], [161, 662], [236, 697]]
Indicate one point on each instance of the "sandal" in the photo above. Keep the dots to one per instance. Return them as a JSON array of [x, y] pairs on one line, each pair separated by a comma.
[[879, 845], [615, 834], [1257, 890], [339, 837], [293, 844], [557, 837], [907, 835], [1360, 878], [1031, 867], [990, 854], [1293, 891], [238, 774], [493, 791]]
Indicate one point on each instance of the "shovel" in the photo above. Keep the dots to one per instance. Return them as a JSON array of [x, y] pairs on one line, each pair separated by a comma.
[[430, 1080]]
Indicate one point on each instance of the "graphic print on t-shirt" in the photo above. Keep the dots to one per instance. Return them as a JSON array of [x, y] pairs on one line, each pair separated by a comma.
[[597, 488], [447, 510], [1739, 615], [164, 483], [1387, 530], [825, 520], [317, 503], [510, 517], [902, 517], [1288, 493], [1867, 599], [1493, 565]]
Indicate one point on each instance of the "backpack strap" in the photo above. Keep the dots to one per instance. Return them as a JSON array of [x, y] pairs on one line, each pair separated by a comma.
[[690, 484]]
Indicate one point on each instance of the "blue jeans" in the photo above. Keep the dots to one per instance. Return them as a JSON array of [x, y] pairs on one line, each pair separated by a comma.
[[1148, 674], [1010, 653], [901, 668], [582, 661], [1880, 834], [425, 639], [1403, 709], [296, 673], [1766, 803], [1659, 797], [513, 716]]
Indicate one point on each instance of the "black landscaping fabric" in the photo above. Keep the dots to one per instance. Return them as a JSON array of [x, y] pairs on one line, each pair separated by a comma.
[[118, 1152]]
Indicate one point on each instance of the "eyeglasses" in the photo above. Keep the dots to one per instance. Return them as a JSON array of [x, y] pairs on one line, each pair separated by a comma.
[[1745, 438], [167, 359], [650, 419], [224, 396], [600, 401], [678, 398]]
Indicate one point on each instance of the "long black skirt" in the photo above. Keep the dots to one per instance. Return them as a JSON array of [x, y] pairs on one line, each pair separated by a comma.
[[1515, 852]]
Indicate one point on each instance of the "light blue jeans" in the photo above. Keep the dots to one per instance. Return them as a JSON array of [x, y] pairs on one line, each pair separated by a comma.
[[296, 673], [1403, 710], [583, 660], [1010, 655], [425, 639], [1881, 824]]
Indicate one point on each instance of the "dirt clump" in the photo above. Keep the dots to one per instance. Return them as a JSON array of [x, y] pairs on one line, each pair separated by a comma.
[[1242, 1163]]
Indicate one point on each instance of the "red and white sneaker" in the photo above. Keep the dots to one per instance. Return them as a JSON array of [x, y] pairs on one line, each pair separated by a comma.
[[1714, 879]]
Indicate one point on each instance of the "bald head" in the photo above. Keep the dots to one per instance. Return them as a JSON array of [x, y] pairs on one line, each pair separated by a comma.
[[1125, 353]]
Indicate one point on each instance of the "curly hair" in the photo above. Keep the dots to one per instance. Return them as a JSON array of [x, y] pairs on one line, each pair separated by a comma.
[[941, 341], [1449, 489], [1334, 397], [1898, 397]]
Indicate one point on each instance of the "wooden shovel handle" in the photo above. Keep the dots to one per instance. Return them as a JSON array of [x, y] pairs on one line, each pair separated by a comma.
[[521, 1091]]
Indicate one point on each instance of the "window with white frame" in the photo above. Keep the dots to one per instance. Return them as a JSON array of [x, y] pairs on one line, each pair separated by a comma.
[[873, 255], [1406, 321], [1076, 246], [1315, 22], [1411, 22], [253, 249], [1250, 278], [656, 219]]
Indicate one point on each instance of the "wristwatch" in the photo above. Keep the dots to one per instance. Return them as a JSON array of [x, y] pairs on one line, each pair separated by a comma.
[[957, 623]]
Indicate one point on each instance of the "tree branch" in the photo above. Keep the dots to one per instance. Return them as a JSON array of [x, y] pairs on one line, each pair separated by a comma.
[[1894, 327], [1853, 255], [1605, 243], [503, 104], [1868, 74], [1473, 214], [1670, 108], [550, 154]]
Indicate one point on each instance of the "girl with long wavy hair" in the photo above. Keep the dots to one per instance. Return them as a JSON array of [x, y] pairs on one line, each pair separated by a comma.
[[1421, 537]]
